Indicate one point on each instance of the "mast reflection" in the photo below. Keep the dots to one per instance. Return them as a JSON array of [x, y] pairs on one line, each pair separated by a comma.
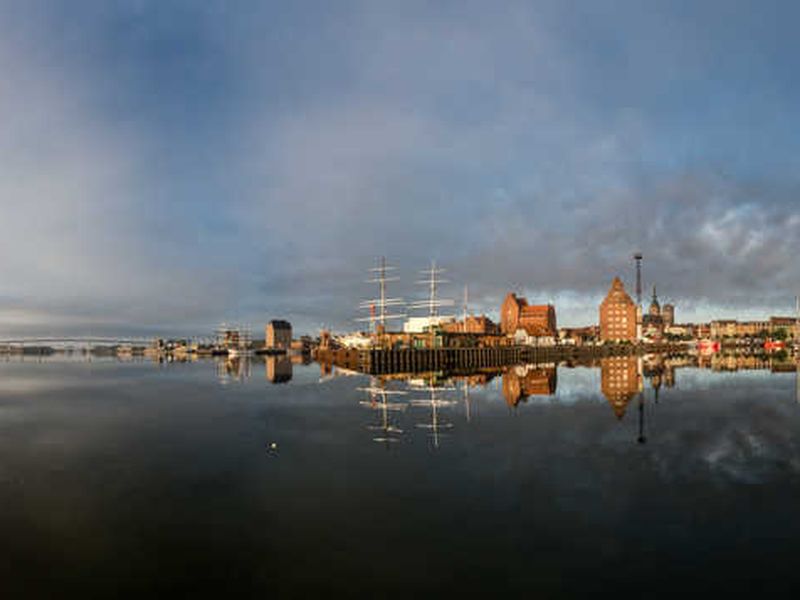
[[436, 399], [623, 379], [378, 400], [233, 369]]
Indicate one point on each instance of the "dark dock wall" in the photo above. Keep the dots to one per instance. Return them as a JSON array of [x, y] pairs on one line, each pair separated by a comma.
[[378, 361]]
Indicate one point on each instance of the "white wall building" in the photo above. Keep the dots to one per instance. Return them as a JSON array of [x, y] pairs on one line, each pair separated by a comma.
[[420, 324]]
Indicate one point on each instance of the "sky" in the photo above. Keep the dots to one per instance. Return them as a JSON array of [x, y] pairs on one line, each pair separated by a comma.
[[167, 166]]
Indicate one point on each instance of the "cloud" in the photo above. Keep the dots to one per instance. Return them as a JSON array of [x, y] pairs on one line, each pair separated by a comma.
[[167, 168], [465, 137], [74, 188]]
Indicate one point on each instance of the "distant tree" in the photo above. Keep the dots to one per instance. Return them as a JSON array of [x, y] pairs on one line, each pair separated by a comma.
[[780, 333]]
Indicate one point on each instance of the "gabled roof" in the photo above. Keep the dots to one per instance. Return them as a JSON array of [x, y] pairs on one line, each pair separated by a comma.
[[617, 293]]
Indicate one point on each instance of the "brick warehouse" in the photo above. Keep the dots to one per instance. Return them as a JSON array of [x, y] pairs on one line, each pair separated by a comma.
[[536, 320]]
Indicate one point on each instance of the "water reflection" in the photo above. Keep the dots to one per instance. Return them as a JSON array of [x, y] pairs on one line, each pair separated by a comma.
[[620, 381], [278, 369], [435, 395], [378, 400], [148, 455], [522, 381], [233, 369], [625, 382], [436, 402]]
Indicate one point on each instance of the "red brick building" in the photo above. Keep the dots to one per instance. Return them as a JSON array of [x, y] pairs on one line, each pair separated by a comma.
[[536, 319], [480, 325], [618, 314]]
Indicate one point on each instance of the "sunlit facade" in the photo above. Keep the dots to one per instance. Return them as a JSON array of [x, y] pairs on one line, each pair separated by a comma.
[[618, 314]]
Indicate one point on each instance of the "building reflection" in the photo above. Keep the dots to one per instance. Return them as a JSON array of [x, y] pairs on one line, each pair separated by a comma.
[[523, 381], [278, 369], [620, 381], [623, 382]]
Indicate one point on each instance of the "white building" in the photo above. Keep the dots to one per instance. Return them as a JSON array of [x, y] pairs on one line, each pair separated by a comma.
[[523, 338], [354, 340], [421, 324]]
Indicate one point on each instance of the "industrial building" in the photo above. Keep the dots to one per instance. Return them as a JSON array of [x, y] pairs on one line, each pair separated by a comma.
[[278, 335], [618, 314]]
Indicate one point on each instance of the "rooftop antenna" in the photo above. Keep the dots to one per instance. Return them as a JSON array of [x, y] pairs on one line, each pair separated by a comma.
[[638, 258], [797, 308], [378, 306]]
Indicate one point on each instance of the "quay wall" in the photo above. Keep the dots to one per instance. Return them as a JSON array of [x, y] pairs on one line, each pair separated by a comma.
[[377, 361]]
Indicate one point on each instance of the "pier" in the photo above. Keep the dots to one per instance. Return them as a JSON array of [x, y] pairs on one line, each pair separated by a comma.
[[377, 361]]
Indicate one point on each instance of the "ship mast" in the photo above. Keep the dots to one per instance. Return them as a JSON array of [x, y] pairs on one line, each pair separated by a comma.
[[378, 314], [466, 300], [433, 303]]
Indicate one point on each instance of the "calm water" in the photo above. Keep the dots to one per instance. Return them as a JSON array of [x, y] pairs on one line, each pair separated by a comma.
[[138, 477]]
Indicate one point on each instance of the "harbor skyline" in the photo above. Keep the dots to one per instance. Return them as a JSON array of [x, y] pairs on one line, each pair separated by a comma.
[[166, 167], [397, 298]]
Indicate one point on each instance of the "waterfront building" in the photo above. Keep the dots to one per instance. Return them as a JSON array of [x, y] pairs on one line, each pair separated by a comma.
[[752, 329], [722, 328], [481, 325], [618, 314], [536, 319], [578, 336], [422, 324], [680, 329], [729, 328], [653, 322], [786, 324], [668, 315], [702, 330], [523, 338], [349, 340], [278, 335]]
